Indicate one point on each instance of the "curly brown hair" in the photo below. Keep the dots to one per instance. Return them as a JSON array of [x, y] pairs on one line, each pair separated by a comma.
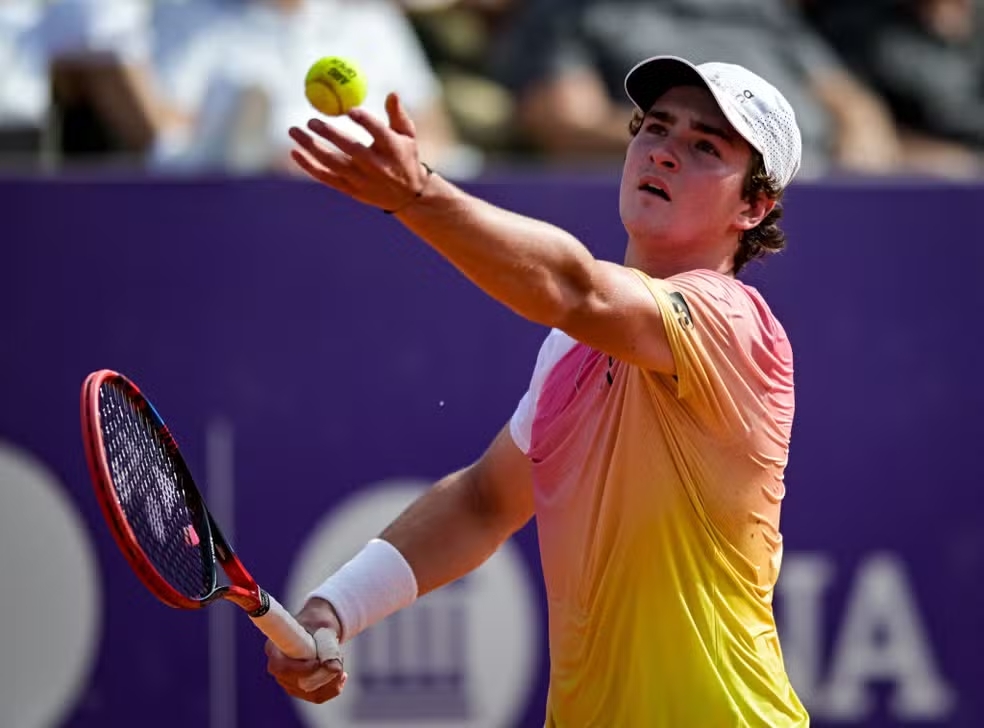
[[764, 238]]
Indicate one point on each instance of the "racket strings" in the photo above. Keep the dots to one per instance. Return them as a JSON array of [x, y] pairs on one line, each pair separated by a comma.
[[149, 488]]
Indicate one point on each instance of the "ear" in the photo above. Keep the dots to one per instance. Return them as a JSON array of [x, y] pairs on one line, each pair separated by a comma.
[[754, 212]]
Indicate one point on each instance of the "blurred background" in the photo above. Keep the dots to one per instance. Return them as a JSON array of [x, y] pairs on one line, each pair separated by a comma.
[[320, 366]]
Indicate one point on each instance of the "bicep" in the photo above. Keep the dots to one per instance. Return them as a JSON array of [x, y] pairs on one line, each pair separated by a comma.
[[620, 316], [503, 483]]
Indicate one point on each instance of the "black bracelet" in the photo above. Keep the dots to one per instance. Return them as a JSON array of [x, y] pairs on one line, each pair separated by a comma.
[[416, 196]]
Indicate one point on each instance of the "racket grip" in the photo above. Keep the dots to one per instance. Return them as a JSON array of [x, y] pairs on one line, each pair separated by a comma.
[[293, 640]]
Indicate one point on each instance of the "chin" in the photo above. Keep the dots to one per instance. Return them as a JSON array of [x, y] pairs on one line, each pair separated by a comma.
[[633, 216], [644, 225]]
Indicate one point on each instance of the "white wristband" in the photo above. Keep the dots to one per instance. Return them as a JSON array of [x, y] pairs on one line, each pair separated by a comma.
[[372, 585]]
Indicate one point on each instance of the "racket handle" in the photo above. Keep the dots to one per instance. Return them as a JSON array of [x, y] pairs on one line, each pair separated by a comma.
[[293, 640]]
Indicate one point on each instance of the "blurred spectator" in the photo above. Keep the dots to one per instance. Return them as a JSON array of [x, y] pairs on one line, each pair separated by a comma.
[[239, 74], [106, 102], [926, 58], [23, 83], [457, 36], [566, 61]]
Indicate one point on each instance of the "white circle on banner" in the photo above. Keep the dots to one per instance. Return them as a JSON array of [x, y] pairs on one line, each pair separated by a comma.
[[50, 600], [464, 655]]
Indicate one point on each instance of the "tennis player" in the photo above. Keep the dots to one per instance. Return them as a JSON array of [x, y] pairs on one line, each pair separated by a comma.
[[652, 441]]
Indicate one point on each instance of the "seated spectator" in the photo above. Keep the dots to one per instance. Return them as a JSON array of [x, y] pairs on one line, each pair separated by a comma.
[[239, 75], [926, 58], [566, 59], [105, 97], [457, 36], [23, 83]]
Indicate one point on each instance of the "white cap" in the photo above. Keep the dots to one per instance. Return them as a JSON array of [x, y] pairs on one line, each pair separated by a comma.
[[753, 106]]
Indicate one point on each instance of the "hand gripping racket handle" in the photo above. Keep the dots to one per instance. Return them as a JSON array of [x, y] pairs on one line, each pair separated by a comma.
[[296, 642]]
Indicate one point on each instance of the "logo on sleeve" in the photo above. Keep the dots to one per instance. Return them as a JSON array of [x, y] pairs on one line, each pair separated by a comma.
[[681, 311]]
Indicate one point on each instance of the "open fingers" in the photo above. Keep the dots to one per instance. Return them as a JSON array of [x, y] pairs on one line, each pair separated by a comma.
[[399, 119], [349, 146], [336, 159], [383, 175], [382, 135], [330, 166], [319, 173]]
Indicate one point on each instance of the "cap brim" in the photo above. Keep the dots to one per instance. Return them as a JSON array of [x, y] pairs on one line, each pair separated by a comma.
[[651, 78]]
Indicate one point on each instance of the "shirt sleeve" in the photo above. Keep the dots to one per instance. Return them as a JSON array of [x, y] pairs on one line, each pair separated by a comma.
[[733, 359], [553, 349]]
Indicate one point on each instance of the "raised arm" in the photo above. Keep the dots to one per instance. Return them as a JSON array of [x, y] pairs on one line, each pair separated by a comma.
[[536, 269]]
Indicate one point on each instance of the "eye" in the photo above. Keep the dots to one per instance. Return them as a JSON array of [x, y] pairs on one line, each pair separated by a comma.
[[656, 128], [706, 146]]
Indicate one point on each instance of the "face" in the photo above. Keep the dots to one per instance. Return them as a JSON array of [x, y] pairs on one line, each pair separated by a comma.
[[683, 174]]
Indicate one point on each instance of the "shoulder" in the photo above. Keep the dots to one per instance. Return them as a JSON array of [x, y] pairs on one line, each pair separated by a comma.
[[736, 307], [708, 284], [724, 293]]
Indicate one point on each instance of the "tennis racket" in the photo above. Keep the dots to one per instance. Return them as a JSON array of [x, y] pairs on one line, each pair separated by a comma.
[[162, 525]]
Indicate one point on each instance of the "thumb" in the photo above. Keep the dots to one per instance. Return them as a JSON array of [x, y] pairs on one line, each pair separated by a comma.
[[399, 119]]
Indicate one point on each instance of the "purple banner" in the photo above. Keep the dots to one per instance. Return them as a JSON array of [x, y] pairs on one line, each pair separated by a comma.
[[319, 366]]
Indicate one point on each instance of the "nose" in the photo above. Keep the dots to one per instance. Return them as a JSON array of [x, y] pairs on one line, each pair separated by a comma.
[[663, 156]]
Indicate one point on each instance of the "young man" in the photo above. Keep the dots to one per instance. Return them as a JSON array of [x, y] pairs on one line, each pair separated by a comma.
[[652, 442]]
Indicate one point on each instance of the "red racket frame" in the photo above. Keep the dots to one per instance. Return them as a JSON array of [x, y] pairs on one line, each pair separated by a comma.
[[243, 591]]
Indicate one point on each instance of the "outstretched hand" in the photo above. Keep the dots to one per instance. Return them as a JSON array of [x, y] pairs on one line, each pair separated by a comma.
[[387, 174]]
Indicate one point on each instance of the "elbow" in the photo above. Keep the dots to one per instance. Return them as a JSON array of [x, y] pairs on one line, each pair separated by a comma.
[[495, 509], [574, 306], [569, 297], [480, 507]]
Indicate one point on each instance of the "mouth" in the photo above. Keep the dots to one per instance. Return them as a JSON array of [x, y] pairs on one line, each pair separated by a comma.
[[655, 188]]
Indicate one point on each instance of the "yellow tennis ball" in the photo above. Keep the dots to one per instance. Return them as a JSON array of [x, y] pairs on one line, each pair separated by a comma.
[[334, 85]]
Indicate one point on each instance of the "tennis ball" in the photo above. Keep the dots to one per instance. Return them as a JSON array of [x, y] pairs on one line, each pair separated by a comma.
[[334, 85]]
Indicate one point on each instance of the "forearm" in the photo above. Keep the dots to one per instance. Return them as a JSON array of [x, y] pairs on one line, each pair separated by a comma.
[[447, 533], [534, 268]]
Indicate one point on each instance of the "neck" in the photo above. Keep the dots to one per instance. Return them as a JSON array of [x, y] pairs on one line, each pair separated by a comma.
[[663, 262]]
